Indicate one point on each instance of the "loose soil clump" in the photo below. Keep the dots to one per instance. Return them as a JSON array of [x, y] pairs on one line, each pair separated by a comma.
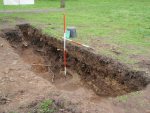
[[107, 77]]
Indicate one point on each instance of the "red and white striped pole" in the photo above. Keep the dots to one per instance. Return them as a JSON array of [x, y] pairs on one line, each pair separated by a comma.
[[65, 53]]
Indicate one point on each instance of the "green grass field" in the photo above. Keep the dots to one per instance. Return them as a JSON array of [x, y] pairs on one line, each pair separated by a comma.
[[120, 24]]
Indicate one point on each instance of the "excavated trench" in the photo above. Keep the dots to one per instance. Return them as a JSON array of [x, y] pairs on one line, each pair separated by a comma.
[[107, 77]]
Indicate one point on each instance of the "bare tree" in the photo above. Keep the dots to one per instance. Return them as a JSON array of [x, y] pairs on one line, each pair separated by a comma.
[[62, 3]]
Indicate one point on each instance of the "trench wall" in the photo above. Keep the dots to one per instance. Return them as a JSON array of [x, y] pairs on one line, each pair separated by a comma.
[[107, 77]]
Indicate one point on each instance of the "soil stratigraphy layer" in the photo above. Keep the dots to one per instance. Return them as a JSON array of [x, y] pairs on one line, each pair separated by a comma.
[[107, 77]]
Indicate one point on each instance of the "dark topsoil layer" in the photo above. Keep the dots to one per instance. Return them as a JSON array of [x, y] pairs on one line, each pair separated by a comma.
[[104, 75]]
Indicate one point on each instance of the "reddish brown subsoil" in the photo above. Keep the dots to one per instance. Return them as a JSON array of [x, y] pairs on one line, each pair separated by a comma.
[[36, 61]]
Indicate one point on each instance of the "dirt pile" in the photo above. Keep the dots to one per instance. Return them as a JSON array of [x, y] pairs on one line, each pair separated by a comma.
[[104, 75]]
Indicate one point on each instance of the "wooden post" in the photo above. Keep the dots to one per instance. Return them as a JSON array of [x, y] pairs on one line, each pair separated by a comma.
[[62, 3]]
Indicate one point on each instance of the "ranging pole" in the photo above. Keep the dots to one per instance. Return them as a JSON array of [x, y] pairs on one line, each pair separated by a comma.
[[65, 53]]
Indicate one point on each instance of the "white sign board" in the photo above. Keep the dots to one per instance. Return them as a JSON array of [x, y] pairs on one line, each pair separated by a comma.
[[18, 2]]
